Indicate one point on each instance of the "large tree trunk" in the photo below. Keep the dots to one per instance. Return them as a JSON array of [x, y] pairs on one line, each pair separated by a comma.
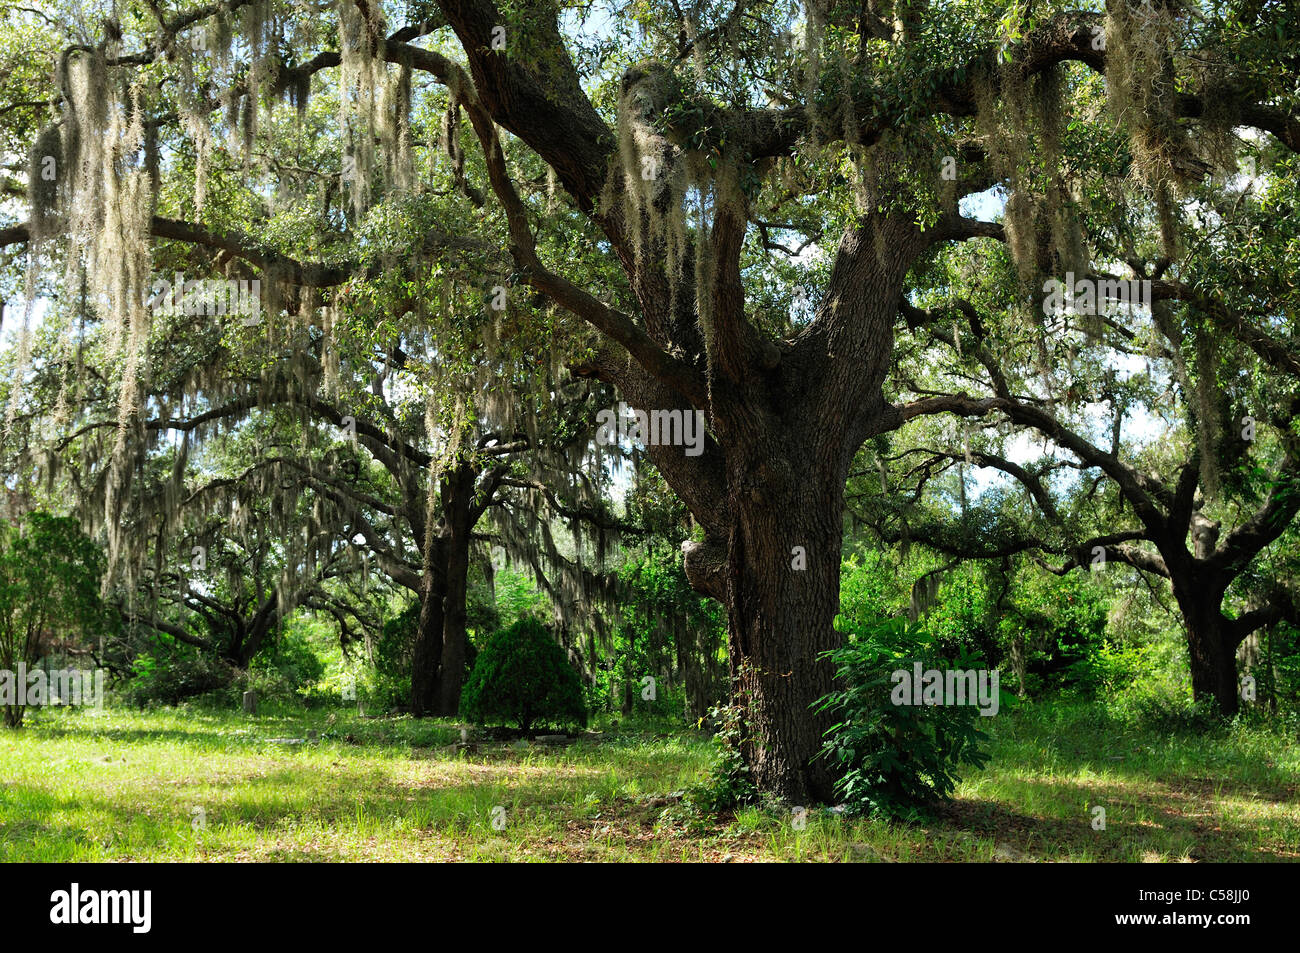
[[452, 673], [782, 596], [438, 659], [457, 504], [1213, 656], [255, 636], [234, 653], [426, 654], [785, 419], [1211, 641]]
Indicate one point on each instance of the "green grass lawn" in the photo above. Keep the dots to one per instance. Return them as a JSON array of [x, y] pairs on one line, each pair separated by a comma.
[[122, 785]]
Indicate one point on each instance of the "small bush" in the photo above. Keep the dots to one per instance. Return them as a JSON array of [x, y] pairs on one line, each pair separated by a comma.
[[728, 785], [287, 666], [522, 676], [393, 657], [896, 760], [168, 671]]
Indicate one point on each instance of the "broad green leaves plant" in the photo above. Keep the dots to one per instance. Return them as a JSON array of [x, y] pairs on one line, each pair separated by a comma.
[[896, 760]]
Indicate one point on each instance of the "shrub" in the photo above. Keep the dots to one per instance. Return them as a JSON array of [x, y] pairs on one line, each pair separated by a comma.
[[289, 665], [728, 784], [895, 760], [167, 672], [523, 676], [392, 657]]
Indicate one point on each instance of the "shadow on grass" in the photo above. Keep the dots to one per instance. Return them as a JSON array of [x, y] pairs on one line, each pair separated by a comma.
[[1152, 821]]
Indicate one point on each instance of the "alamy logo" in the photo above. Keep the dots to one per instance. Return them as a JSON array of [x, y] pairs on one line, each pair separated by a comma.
[[951, 687], [207, 297], [1090, 295], [68, 686], [74, 906], [657, 428]]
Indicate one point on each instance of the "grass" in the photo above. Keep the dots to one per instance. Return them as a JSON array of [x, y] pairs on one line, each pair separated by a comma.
[[197, 785]]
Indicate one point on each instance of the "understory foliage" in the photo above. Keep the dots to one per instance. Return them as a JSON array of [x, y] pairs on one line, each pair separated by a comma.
[[288, 666], [1048, 634], [895, 760], [523, 677], [167, 672], [666, 632], [729, 783], [49, 592], [392, 656]]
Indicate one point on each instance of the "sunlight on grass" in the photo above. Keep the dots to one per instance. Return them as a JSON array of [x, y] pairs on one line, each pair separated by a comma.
[[198, 785]]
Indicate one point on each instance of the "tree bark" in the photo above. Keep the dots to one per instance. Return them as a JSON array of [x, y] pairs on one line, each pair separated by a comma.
[[426, 654], [452, 670], [1211, 638], [458, 522], [782, 596], [1211, 642]]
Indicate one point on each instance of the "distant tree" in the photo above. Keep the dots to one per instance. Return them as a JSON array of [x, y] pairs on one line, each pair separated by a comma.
[[49, 588]]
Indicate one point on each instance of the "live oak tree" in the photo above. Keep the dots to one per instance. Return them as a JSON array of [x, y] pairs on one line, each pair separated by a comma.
[[684, 156], [357, 472], [1226, 585], [1167, 426], [228, 573], [378, 473]]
